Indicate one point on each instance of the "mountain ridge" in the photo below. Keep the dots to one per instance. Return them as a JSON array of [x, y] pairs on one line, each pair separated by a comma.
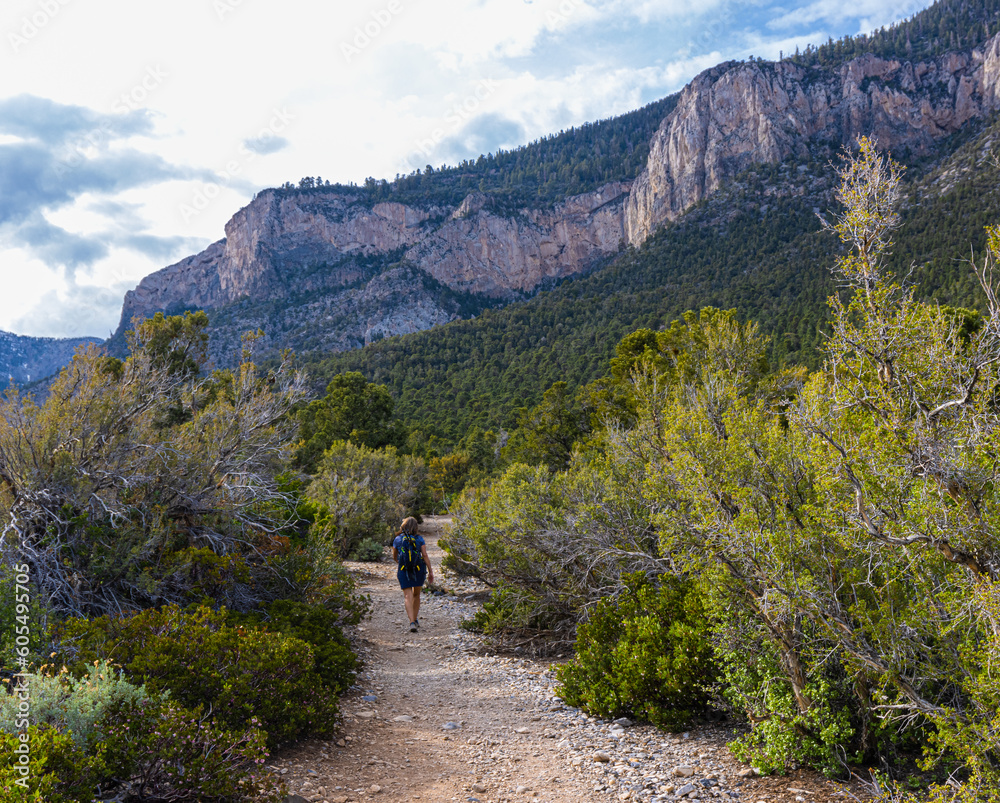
[[333, 267], [729, 118]]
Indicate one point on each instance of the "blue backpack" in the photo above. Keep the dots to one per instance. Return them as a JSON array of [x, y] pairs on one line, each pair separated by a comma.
[[410, 559]]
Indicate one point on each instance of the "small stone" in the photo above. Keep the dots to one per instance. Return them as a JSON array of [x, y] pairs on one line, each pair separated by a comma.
[[601, 757], [341, 743], [746, 772], [625, 722], [478, 787], [522, 730], [369, 698], [338, 799], [684, 771], [365, 715], [403, 718], [451, 726], [688, 787], [521, 790], [374, 788]]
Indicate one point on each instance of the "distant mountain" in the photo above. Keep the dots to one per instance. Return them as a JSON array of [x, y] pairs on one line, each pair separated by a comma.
[[28, 359]]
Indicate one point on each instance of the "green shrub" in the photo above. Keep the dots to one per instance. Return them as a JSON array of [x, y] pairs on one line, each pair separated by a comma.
[[160, 750], [510, 609], [72, 705], [368, 550], [19, 612], [781, 736], [314, 573], [361, 493], [236, 673], [645, 653], [59, 770], [334, 661]]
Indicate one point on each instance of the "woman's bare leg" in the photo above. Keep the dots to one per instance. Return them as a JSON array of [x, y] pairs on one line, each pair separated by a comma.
[[416, 603], [408, 603]]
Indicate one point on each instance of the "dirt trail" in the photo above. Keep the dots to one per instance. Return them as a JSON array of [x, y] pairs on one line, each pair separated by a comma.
[[433, 718]]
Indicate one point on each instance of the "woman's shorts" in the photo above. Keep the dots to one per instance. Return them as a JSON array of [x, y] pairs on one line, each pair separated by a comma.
[[407, 580]]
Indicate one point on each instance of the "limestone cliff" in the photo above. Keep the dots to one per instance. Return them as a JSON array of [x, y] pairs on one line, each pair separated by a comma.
[[284, 244], [739, 114]]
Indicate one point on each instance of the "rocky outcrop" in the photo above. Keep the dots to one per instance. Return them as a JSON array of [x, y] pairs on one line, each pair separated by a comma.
[[478, 251], [284, 244], [739, 114]]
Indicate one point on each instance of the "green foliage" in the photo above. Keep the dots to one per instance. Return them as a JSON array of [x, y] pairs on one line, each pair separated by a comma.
[[551, 543], [238, 674], [946, 26], [59, 771], [20, 614], [319, 627], [783, 736], [510, 609], [362, 493], [163, 751], [547, 433], [368, 550], [644, 653], [72, 705], [352, 410], [148, 484], [177, 343], [148, 750]]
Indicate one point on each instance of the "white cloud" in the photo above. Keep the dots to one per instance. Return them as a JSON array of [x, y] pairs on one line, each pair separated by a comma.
[[870, 14]]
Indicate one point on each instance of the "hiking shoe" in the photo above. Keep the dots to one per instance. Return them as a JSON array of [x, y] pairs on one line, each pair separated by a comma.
[[413, 627]]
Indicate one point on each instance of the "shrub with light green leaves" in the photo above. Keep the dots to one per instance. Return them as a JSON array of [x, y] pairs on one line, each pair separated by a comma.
[[361, 493], [75, 706]]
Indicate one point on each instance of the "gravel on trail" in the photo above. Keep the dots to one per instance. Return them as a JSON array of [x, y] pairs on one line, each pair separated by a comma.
[[435, 717]]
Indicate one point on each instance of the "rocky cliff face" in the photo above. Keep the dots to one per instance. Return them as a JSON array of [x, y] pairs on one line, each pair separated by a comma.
[[283, 244], [739, 114]]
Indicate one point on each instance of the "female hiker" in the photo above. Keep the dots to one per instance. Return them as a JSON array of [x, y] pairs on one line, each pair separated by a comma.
[[410, 552]]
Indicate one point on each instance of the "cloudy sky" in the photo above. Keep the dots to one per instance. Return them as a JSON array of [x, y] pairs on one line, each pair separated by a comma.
[[130, 132]]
